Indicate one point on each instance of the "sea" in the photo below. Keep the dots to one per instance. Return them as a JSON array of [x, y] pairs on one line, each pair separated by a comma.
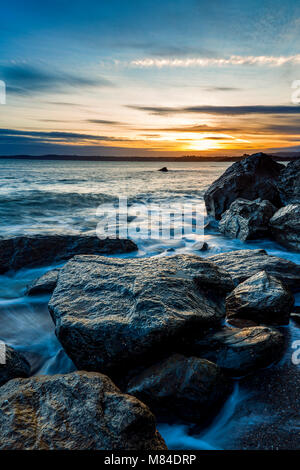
[[71, 197]]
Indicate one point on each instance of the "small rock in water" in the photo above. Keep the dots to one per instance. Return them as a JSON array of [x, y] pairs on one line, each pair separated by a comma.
[[247, 220], [200, 246], [295, 317], [262, 298], [164, 168], [182, 387], [15, 364], [44, 284], [78, 411], [285, 226], [240, 351]]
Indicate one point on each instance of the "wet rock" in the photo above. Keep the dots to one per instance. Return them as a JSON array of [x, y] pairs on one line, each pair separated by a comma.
[[251, 178], [289, 183], [200, 246], [285, 226], [241, 351], [78, 411], [36, 250], [295, 317], [15, 364], [164, 168], [262, 298], [110, 313], [44, 284], [242, 264], [247, 220], [182, 387]]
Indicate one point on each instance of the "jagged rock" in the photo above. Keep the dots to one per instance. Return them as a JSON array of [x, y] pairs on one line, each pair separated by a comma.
[[251, 178], [35, 250], [285, 226], [164, 168], [182, 387], [247, 220], [296, 317], [44, 284], [15, 364], [200, 246], [110, 312], [289, 183], [242, 264], [262, 298], [240, 351], [78, 411]]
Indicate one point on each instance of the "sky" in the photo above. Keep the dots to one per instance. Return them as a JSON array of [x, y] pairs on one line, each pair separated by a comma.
[[157, 78]]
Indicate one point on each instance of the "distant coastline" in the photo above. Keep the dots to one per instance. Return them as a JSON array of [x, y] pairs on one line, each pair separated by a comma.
[[280, 156]]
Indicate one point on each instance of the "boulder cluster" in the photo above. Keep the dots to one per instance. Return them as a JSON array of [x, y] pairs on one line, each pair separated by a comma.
[[256, 198]]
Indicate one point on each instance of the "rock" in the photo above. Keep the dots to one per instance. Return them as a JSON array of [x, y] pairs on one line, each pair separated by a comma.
[[110, 313], [285, 226], [289, 183], [240, 351], [262, 298], [200, 246], [78, 411], [295, 317], [242, 264], [15, 365], [182, 387], [164, 168], [36, 250], [247, 220], [251, 178], [44, 284]]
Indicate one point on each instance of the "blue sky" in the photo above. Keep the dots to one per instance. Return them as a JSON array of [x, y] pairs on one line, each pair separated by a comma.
[[142, 77]]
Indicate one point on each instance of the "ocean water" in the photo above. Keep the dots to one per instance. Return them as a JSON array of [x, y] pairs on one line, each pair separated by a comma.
[[67, 197]]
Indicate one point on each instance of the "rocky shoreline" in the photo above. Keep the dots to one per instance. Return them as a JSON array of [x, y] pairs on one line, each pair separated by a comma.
[[172, 333]]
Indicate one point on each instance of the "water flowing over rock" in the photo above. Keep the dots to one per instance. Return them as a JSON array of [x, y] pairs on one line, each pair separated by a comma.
[[285, 226], [15, 365], [182, 387], [36, 250], [247, 220], [78, 411], [251, 178], [44, 284], [289, 183], [110, 312], [262, 298], [240, 351], [242, 264]]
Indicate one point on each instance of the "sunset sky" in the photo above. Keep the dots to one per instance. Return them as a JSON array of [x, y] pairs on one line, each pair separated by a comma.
[[141, 77]]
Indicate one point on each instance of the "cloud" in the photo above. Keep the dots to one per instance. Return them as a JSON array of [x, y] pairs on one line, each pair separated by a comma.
[[52, 136], [24, 79], [233, 60], [220, 110], [104, 121]]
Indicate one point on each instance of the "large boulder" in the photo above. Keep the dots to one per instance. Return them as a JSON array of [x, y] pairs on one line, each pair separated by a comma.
[[251, 178], [242, 264], [78, 411], [182, 387], [240, 351], [44, 284], [247, 220], [110, 312], [12, 364], [289, 183], [262, 298], [285, 226], [36, 250]]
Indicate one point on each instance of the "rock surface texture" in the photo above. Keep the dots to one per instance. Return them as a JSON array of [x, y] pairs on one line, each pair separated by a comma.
[[110, 313], [262, 298], [242, 264], [240, 351], [289, 183], [182, 387], [254, 177], [285, 226], [247, 220], [35, 250], [15, 365], [44, 284], [78, 411]]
